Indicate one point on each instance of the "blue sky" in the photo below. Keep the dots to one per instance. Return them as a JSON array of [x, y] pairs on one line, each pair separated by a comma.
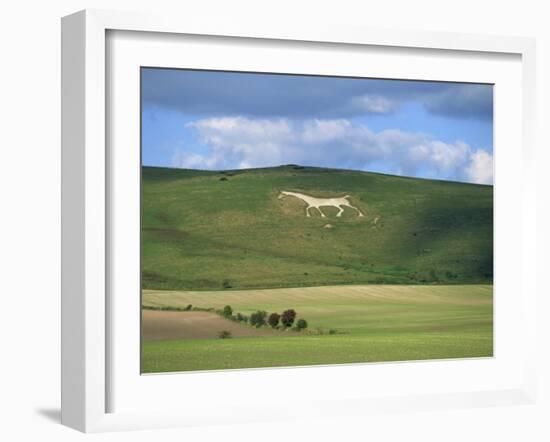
[[224, 120]]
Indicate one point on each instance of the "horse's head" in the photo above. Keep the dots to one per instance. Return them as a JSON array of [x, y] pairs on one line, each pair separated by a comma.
[[283, 194]]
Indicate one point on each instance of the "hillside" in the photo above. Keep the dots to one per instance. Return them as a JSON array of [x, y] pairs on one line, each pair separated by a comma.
[[205, 230]]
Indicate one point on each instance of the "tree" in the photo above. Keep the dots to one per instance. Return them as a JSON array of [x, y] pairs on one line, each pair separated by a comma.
[[301, 324], [288, 317], [224, 334], [258, 318], [227, 311], [273, 319]]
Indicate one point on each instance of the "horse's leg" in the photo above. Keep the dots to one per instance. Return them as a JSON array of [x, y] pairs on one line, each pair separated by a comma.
[[307, 210], [341, 211], [353, 207], [320, 211]]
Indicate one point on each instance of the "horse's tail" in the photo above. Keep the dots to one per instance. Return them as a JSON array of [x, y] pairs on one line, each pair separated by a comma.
[[346, 196]]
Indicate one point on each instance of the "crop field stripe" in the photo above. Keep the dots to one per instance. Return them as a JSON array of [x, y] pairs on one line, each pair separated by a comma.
[[208, 354], [372, 323], [418, 294]]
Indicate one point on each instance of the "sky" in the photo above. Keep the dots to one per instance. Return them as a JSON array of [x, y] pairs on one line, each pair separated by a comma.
[[217, 120]]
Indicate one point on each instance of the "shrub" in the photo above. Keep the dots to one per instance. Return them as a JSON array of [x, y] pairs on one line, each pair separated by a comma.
[[205, 309], [381, 280], [227, 311], [450, 275], [189, 307], [288, 317], [332, 331], [257, 319], [301, 324], [224, 334], [223, 178], [226, 284], [273, 319], [240, 317]]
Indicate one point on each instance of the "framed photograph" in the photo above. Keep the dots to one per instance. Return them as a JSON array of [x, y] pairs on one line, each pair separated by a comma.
[[315, 222]]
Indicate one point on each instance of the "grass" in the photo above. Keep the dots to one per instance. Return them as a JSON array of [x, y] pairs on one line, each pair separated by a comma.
[[172, 356], [202, 233], [410, 280], [373, 323]]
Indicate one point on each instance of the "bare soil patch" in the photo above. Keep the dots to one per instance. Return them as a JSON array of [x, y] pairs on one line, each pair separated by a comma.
[[158, 325]]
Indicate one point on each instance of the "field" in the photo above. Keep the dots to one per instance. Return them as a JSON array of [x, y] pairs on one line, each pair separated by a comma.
[[408, 276], [159, 325], [370, 323]]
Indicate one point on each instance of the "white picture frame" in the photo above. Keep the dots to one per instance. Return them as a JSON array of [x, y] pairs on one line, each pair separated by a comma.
[[86, 206]]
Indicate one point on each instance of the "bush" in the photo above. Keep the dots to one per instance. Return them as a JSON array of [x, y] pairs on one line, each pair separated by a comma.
[[381, 280], [224, 334], [189, 307], [240, 317], [301, 324], [273, 319], [226, 284], [257, 319], [450, 275], [227, 311], [332, 331], [288, 317], [204, 309]]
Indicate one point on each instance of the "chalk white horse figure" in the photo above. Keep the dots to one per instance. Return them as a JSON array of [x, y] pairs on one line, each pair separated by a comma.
[[312, 201]]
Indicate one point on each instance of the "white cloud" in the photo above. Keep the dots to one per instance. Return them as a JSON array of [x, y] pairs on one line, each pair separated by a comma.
[[189, 160], [376, 104], [239, 142], [480, 169]]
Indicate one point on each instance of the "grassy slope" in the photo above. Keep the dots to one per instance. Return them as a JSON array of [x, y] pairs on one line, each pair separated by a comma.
[[199, 231], [374, 323]]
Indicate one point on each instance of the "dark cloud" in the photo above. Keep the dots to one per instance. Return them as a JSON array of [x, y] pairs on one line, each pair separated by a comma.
[[462, 101], [210, 93]]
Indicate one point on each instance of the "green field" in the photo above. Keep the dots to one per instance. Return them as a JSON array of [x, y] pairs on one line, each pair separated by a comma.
[[213, 230], [371, 323], [410, 280]]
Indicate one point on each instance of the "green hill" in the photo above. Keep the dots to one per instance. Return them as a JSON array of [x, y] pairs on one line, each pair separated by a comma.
[[204, 230]]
